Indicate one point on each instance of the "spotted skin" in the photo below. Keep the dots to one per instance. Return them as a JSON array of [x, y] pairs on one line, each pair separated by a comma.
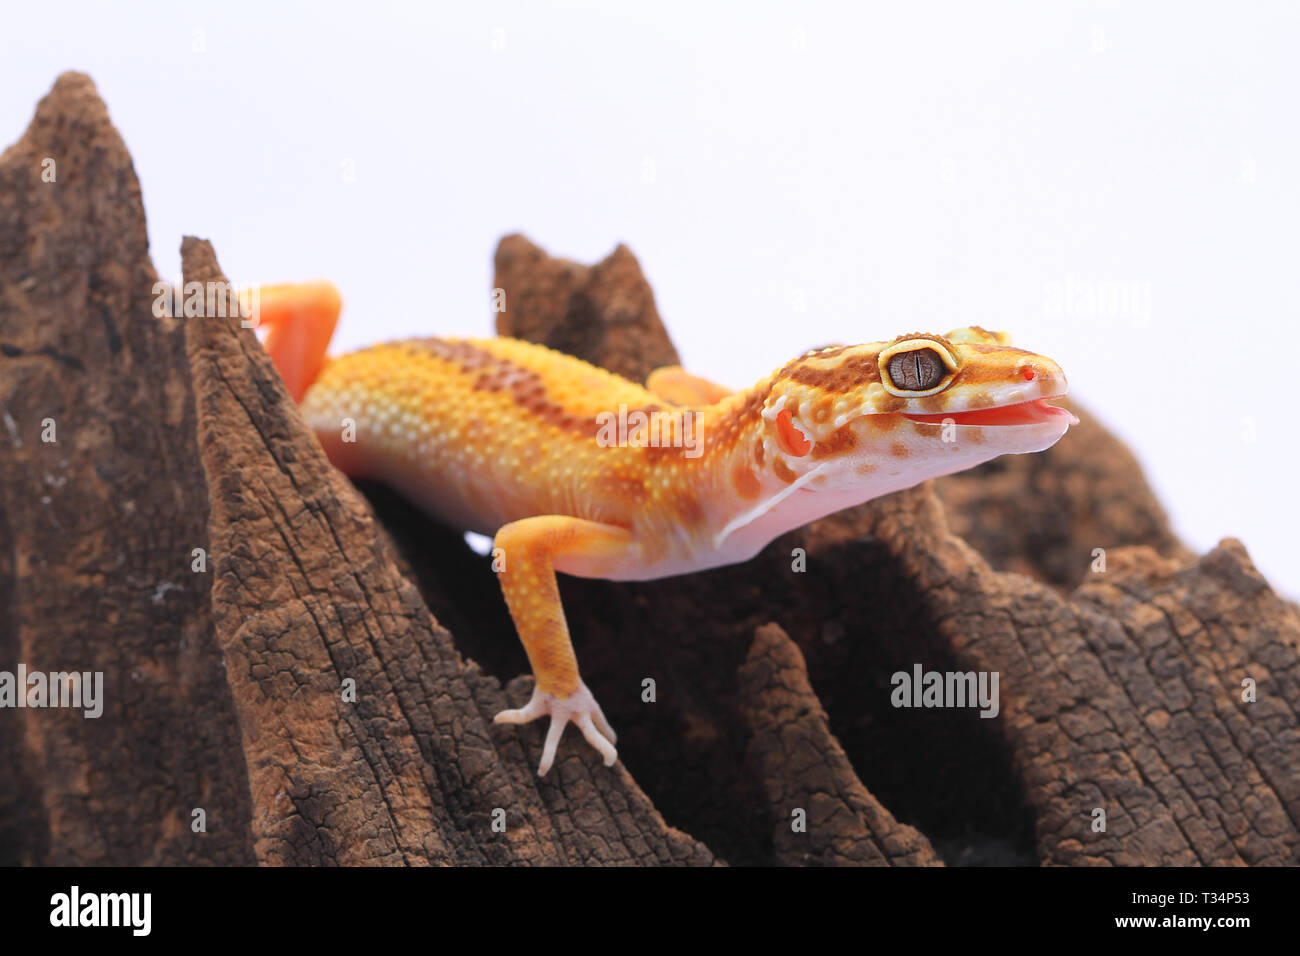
[[515, 440]]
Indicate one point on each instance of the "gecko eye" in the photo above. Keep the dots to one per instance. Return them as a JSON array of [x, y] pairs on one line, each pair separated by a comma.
[[916, 367], [917, 371]]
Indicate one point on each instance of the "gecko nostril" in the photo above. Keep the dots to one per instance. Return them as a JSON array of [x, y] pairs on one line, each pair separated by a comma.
[[1029, 373]]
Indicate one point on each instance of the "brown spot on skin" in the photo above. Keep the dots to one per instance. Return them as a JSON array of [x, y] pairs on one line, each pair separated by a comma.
[[888, 404], [467, 356], [884, 423], [935, 403], [654, 454], [853, 372], [657, 453], [782, 471], [648, 410], [979, 400], [980, 373], [746, 482], [689, 510], [526, 386], [865, 468], [724, 429], [899, 450], [821, 412], [840, 442], [759, 453]]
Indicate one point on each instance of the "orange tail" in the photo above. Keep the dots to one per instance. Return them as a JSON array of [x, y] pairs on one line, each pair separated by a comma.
[[300, 320]]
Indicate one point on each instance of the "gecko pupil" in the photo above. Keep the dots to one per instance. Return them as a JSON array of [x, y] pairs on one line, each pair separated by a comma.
[[917, 371]]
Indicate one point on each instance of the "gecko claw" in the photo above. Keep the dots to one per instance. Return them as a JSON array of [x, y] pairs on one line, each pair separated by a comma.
[[579, 708]]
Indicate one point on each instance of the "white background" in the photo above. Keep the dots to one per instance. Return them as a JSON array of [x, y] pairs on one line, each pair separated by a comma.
[[788, 175]]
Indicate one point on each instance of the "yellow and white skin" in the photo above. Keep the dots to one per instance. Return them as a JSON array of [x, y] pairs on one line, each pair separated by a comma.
[[510, 439]]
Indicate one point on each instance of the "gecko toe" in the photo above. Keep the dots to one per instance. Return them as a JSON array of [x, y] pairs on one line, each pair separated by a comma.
[[602, 724], [553, 735], [581, 709], [598, 738], [536, 707]]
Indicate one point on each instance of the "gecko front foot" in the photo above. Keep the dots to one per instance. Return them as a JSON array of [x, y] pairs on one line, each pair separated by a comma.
[[580, 708]]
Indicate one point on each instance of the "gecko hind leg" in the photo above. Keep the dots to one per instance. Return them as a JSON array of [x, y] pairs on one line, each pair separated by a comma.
[[300, 320], [674, 384]]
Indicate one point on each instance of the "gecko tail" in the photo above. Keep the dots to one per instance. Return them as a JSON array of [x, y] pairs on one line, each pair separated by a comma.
[[299, 319]]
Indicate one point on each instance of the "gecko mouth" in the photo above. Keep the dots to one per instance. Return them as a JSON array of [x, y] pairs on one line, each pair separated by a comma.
[[1033, 412]]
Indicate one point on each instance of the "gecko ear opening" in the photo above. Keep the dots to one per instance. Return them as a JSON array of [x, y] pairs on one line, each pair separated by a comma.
[[789, 437]]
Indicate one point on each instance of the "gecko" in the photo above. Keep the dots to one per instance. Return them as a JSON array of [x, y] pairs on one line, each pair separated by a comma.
[[571, 468]]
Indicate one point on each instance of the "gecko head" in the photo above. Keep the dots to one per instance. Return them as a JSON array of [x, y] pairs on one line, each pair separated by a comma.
[[886, 415]]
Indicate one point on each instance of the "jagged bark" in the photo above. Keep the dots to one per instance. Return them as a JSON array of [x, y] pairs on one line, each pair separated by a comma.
[[98, 526], [605, 313]]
